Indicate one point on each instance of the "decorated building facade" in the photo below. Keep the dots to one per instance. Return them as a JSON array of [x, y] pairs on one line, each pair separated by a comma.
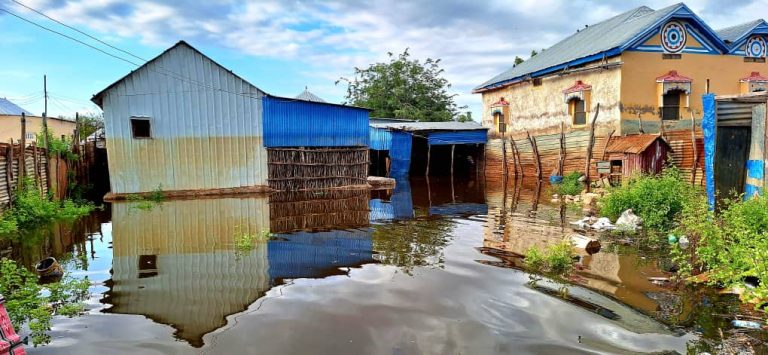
[[646, 69], [644, 64]]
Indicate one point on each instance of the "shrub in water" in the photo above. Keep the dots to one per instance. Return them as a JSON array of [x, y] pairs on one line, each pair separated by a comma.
[[570, 185], [730, 246], [31, 304], [554, 259], [657, 199]]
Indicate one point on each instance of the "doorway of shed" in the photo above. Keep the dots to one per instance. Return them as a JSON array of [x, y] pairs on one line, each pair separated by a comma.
[[465, 159], [379, 162]]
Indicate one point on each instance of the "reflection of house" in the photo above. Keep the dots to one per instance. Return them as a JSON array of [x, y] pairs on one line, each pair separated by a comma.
[[10, 123], [645, 68], [176, 265]]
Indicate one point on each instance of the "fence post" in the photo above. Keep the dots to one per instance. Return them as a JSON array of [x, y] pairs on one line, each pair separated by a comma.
[[22, 151], [590, 144], [9, 172]]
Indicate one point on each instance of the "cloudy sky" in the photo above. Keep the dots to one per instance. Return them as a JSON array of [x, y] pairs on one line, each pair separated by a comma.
[[283, 46]]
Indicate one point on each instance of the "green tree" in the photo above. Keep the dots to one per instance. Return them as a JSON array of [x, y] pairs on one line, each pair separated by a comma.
[[518, 60], [403, 88], [534, 53], [465, 117]]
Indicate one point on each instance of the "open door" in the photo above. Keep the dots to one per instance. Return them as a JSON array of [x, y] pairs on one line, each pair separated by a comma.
[[731, 153]]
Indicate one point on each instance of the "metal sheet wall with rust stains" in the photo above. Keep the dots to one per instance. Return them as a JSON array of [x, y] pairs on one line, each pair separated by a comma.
[[206, 127]]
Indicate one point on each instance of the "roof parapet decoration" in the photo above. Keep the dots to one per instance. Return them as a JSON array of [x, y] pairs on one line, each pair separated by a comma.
[[576, 91], [755, 47], [754, 77], [674, 81], [673, 37], [501, 102]]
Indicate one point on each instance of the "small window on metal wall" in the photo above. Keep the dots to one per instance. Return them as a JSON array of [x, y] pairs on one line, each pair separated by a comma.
[[671, 105], [579, 112], [140, 127]]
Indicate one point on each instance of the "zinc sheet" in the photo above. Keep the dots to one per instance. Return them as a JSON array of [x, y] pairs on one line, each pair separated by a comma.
[[296, 123], [206, 127], [380, 138], [458, 137]]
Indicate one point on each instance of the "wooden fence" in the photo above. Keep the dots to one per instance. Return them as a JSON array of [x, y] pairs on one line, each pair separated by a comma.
[[35, 168]]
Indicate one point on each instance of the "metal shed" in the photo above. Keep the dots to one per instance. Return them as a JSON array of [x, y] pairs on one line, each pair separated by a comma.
[[408, 142]]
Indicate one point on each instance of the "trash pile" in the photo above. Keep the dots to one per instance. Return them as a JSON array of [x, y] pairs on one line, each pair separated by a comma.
[[627, 222]]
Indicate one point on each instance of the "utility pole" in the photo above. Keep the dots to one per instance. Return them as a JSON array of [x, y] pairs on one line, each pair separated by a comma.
[[45, 135]]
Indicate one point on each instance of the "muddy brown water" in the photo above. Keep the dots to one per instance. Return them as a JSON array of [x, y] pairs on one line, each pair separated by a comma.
[[432, 267]]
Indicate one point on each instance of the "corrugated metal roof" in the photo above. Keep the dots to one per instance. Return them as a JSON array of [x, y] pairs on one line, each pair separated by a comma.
[[606, 38], [9, 108], [308, 96], [380, 138], [457, 137], [299, 123], [733, 33], [634, 144], [430, 126]]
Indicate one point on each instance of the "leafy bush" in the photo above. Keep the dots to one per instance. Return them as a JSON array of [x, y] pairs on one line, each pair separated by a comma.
[[657, 199], [570, 185], [29, 303], [31, 208], [244, 240], [554, 259], [730, 246]]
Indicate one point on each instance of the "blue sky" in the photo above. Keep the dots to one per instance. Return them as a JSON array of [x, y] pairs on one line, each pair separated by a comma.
[[283, 46]]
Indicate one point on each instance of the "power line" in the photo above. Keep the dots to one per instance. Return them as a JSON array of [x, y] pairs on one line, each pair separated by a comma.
[[66, 36], [81, 32]]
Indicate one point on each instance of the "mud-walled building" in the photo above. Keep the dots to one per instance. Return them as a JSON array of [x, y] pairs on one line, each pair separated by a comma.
[[185, 124], [644, 70]]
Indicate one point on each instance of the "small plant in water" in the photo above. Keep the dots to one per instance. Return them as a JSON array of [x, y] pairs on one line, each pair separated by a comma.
[[34, 305], [32, 208], [245, 241], [570, 185], [554, 259], [149, 201]]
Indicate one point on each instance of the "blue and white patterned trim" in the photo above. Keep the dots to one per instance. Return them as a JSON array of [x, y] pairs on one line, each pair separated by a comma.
[[673, 37]]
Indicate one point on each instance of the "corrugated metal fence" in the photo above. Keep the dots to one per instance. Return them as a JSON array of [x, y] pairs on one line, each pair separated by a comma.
[[35, 167]]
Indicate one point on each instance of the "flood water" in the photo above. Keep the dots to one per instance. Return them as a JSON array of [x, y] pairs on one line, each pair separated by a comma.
[[432, 267]]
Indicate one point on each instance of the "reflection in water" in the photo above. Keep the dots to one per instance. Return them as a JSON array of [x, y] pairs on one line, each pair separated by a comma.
[[429, 267]]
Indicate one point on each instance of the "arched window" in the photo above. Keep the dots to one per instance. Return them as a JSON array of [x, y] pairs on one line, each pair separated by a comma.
[[498, 122], [578, 111], [670, 109]]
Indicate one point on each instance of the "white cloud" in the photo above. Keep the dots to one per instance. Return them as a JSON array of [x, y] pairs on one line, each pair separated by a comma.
[[475, 40]]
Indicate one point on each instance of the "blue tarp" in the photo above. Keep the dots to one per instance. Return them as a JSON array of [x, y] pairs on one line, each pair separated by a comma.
[[400, 154], [295, 123], [754, 174], [709, 128], [458, 137]]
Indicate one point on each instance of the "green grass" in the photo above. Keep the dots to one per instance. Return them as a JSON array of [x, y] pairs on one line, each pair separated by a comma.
[[554, 259], [569, 186], [32, 208]]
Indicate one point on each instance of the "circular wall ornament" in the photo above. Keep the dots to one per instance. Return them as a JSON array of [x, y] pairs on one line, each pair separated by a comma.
[[673, 37], [756, 47]]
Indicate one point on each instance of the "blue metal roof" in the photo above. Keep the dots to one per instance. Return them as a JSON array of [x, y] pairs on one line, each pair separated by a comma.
[[9, 108], [735, 36], [298, 123], [602, 40]]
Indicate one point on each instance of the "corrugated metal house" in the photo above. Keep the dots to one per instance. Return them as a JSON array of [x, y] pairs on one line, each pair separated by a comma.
[[185, 124]]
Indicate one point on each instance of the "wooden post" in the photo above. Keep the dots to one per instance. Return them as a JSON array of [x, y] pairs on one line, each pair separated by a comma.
[[429, 157], [608, 140], [453, 149], [561, 162], [504, 169], [22, 152], [35, 167], [45, 135], [695, 150], [9, 172], [536, 156], [590, 144], [516, 157]]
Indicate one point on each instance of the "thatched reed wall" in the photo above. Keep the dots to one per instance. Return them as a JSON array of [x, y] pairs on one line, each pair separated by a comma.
[[318, 210], [309, 168]]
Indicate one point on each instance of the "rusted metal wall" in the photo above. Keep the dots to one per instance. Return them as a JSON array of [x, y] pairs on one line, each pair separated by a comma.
[[206, 127]]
